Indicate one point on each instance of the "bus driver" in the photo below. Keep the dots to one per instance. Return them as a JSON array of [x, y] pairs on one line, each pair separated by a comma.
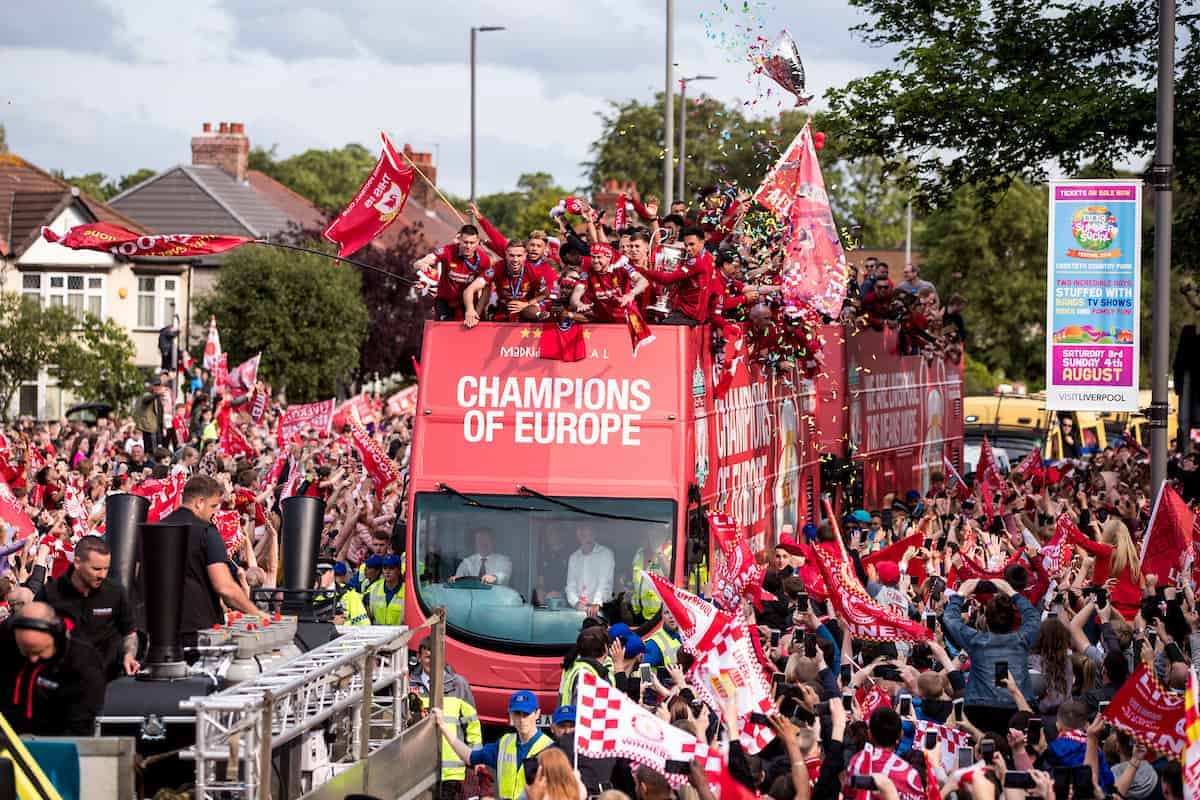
[[485, 563]]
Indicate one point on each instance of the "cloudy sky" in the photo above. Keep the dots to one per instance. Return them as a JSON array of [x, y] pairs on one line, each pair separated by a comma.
[[115, 85]]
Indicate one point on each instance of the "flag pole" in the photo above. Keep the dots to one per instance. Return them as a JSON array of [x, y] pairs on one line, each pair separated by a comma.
[[433, 186], [358, 264]]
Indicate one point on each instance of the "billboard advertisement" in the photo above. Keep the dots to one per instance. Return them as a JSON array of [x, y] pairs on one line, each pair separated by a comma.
[[1093, 295]]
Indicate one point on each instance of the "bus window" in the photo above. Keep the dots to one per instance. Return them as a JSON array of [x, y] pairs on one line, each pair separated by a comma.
[[523, 571]]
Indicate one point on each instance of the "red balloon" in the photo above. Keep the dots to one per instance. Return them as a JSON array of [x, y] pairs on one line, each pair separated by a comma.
[[819, 140]]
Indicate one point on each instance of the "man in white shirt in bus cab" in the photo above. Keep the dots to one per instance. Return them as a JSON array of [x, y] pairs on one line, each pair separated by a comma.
[[589, 573], [485, 563]]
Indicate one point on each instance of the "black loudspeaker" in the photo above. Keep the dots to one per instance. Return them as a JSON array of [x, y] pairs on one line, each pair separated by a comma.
[[124, 514], [303, 519], [164, 549]]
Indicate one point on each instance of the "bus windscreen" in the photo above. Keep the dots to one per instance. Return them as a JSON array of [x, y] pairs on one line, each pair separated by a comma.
[[523, 572]]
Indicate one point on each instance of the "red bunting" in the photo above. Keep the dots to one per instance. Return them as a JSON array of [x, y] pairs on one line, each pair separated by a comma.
[[1149, 713], [108, 238], [865, 618], [562, 341], [1168, 541], [377, 205]]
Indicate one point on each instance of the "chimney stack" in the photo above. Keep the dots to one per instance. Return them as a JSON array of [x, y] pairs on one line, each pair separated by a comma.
[[228, 148], [422, 192]]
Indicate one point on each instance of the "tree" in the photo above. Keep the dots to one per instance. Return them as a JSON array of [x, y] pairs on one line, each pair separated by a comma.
[[984, 94], [100, 186], [3, 140], [31, 337], [304, 313], [996, 259], [328, 178], [527, 209], [100, 367]]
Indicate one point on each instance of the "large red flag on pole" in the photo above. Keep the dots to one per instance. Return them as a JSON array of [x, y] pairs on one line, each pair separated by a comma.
[[212, 347], [377, 205], [1168, 543]]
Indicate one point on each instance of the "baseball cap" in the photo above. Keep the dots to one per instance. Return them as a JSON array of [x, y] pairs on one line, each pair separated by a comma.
[[634, 646], [888, 572], [861, 516], [391, 560], [563, 714], [620, 631], [340, 568], [324, 566], [523, 703], [375, 562]]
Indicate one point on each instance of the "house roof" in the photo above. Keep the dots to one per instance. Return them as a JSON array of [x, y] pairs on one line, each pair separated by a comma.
[[296, 206], [202, 199], [30, 197]]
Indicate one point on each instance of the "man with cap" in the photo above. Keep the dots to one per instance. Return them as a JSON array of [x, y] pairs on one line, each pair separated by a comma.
[[458, 712], [787, 556], [385, 598], [596, 773], [351, 607], [508, 755], [368, 573], [663, 646]]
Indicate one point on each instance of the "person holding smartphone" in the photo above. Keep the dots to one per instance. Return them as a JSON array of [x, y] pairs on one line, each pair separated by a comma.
[[1000, 650], [885, 730]]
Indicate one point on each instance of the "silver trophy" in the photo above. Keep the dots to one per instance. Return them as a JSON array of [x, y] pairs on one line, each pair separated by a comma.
[[669, 258]]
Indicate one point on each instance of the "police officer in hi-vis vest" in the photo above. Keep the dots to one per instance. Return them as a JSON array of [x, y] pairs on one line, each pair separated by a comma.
[[507, 756], [385, 599]]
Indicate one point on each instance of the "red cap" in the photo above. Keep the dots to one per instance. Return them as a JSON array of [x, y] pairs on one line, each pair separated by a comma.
[[790, 545], [278, 616], [599, 248], [888, 572]]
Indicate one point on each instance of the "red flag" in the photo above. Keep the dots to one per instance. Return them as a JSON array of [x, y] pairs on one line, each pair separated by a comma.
[[729, 668], [212, 347], [377, 205], [230, 440], [258, 406], [1056, 555], [865, 618], [382, 469], [358, 407], [13, 519], [164, 496], [562, 341], [621, 215], [403, 402], [1149, 713], [895, 552], [736, 574], [639, 331], [1168, 542], [1030, 466], [298, 417], [241, 379], [109, 238], [186, 362], [815, 271], [954, 481], [221, 373]]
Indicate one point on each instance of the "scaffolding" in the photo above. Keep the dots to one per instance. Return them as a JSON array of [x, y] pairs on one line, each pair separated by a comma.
[[351, 690]]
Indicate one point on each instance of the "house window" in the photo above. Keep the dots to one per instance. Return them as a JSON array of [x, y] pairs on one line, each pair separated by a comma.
[[156, 301], [78, 293]]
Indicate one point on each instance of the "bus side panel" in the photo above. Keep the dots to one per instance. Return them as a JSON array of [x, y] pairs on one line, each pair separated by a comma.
[[833, 406], [757, 431], [905, 415]]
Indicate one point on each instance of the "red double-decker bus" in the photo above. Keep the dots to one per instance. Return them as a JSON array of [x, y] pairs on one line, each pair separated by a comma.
[[561, 482]]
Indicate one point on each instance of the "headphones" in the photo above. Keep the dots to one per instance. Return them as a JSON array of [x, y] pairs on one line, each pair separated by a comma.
[[56, 628]]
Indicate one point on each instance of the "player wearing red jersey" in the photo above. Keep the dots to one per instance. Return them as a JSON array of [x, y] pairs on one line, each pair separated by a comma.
[[459, 263]]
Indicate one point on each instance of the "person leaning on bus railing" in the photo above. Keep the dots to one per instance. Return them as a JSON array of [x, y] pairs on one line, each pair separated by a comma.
[[485, 563]]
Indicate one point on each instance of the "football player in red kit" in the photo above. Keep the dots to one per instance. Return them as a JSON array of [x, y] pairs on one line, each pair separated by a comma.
[[460, 263]]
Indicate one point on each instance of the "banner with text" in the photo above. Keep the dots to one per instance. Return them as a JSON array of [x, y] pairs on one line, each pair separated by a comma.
[[1093, 295]]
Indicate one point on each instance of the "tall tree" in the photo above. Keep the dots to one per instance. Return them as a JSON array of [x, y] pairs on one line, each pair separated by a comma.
[[527, 209], [32, 337], [100, 186], [304, 313], [101, 366], [328, 178]]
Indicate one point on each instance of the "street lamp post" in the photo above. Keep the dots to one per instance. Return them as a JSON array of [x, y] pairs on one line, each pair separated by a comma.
[[683, 84], [1161, 175], [474, 32], [669, 112]]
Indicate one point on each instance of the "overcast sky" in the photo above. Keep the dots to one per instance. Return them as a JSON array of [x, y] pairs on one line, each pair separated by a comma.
[[115, 85]]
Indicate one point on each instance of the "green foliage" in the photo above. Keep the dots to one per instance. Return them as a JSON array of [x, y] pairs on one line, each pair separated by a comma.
[[328, 178], [3, 140], [304, 313], [100, 367], [100, 186], [976, 378], [996, 259], [31, 337], [527, 209]]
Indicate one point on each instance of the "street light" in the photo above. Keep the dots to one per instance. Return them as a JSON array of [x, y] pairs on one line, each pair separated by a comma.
[[683, 84], [669, 111], [474, 31]]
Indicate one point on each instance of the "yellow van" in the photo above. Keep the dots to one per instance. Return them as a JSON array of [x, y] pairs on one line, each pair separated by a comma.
[[1019, 423], [1117, 422]]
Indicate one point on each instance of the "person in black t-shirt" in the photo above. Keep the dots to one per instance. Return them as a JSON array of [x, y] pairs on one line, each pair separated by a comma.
[[98, 609]]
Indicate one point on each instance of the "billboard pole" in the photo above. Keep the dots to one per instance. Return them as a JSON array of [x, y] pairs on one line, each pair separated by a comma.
[[1161, 175]]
